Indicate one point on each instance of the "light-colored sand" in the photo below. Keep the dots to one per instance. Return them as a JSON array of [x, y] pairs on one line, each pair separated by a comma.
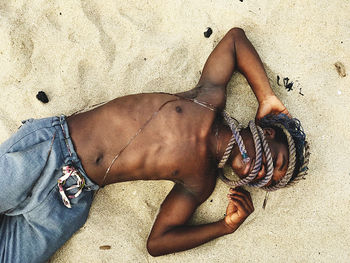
[[84, 52]]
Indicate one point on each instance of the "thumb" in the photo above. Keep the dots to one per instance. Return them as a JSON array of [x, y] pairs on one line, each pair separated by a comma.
[[258, 115], [231, 208]]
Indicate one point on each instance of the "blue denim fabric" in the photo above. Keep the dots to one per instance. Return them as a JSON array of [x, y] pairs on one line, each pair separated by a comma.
[[34, 222]]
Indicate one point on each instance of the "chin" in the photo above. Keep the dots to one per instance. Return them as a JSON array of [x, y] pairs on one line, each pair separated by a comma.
[[238, 171]]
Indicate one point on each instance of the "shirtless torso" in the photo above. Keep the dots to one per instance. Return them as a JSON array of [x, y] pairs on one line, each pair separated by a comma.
[[183, 143], [172, 144]]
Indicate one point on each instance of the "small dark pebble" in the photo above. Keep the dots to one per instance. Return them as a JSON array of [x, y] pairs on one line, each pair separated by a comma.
[[341, 42], [60, 13], [211, 200], [144, 59], [105, 247], [241, 0], [42, 97], [208, 32]]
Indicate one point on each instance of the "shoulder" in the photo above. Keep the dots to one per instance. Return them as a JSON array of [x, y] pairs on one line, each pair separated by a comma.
[[201, 186], [208, 93]]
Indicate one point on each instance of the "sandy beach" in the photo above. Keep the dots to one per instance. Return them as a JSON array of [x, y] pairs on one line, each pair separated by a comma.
[[81, 53]]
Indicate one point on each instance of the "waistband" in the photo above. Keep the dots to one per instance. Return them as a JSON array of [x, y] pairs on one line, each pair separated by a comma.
[[69, 154]]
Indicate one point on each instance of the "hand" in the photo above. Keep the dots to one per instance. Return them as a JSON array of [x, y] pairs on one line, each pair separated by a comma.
[[240, 206], [271, 105]]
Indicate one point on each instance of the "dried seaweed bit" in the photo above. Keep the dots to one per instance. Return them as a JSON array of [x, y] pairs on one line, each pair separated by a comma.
[[208, 33], [300, 92], [340, 69], [289, 86], [106, 247], [265, 200], [278, 80], [42, 97]]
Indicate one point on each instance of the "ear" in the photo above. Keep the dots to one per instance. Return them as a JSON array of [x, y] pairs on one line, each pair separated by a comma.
[[269, 133]]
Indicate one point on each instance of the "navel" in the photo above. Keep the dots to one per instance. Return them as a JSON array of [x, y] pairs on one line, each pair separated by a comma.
[[175, 173], [178, 109], [99, 159]]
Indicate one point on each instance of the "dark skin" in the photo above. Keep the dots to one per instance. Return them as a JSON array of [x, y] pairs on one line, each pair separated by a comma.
[[181, 144]]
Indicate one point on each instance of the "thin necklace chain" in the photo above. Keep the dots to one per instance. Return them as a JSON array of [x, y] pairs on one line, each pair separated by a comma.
[[201, 103]]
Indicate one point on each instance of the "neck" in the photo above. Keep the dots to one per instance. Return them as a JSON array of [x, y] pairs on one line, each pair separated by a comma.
[[220, 137]]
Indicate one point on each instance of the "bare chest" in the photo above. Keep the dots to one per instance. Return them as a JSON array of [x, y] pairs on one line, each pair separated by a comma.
[[143, 142], [171, 146]]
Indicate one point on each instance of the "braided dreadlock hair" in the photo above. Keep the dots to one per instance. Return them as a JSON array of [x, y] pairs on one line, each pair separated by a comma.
[[295, 129]]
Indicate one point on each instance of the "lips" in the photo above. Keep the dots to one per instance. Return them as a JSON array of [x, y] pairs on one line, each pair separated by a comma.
[[248, 167]]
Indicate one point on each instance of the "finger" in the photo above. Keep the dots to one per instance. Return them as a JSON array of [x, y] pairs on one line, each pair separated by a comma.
[[239, 190], [257, 116], [285, 111], [247, 197], [240, 207], [250, 205], [247, 202], [231, 207], [242, 201]]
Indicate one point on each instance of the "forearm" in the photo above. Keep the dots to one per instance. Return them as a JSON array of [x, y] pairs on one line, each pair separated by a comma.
[[187, 237], [250, 65]]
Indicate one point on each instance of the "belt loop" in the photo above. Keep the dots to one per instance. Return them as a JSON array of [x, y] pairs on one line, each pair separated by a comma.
[[62, 119]]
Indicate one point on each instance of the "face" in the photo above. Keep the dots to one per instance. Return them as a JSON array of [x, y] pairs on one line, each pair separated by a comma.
[[279, 153]]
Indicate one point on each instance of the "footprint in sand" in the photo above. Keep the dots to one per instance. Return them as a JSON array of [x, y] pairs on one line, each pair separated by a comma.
[[21, 48], [106, 41]]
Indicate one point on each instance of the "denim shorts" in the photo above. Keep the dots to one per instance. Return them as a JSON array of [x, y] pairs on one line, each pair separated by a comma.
[[34, 222]]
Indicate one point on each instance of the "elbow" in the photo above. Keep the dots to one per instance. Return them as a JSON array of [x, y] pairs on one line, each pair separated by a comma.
[[237, 31], [153, 248]]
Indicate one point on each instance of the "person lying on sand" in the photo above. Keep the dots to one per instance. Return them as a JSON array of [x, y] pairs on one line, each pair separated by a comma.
[[50, 168]]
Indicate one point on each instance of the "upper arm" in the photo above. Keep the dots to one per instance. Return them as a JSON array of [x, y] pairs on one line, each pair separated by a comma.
[[177, 209], [220, 65], [217, 71]]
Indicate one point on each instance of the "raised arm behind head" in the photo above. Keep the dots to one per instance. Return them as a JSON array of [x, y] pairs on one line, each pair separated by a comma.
[[236, 53]]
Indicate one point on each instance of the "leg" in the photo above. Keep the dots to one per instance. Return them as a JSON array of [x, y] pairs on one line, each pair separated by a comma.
[[36, 235]]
